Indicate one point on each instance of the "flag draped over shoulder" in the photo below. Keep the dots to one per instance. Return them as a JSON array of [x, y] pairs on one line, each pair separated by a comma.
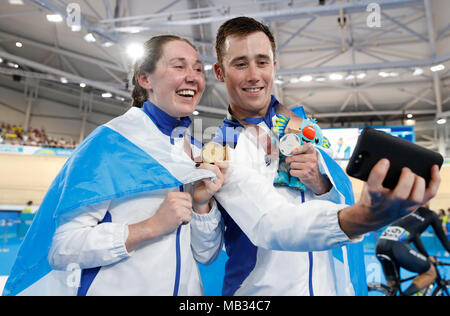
[[128, 155], [352, 255]]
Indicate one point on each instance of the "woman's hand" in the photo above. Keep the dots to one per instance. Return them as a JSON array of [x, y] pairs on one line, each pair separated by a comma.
[[174, 211], [205, 189]]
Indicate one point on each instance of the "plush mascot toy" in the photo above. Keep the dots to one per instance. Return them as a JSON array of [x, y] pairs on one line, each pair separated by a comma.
[[292, 134]]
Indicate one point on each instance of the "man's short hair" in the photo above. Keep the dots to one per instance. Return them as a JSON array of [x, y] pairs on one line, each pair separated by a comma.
[[240, 26]]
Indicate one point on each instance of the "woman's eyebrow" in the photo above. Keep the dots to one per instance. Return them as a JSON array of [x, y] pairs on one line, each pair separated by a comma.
[[184, 60]]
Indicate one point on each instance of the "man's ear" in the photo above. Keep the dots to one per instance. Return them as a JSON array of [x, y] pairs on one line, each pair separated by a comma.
[[219, 73], [144, 81]]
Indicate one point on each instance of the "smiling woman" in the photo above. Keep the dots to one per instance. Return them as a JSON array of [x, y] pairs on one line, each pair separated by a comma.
[[173, 83], [130, 210]]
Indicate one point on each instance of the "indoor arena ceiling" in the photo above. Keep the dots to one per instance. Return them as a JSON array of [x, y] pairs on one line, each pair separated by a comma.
[[333, 56]]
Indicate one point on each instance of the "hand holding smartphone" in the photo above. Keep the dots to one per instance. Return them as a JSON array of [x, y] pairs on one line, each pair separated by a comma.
[[373, 145]]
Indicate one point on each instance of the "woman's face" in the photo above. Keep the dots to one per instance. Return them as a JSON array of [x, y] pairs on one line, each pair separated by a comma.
[[177, 84]]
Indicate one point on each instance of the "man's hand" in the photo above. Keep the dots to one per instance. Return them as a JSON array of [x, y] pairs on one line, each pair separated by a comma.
[[304, 165], [379, 206]]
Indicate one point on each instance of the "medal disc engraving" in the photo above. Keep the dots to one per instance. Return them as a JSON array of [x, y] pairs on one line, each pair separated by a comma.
[[288, 143], [213, 152]]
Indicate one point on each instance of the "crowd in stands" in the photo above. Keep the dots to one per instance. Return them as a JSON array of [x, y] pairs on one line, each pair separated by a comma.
[[15, 135]]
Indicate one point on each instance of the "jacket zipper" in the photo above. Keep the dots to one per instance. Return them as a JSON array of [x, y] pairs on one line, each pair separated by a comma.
[[178, 258], [311, 262]]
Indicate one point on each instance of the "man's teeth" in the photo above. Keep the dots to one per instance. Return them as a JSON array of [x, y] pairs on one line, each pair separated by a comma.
[[253, 89], [188, 93]]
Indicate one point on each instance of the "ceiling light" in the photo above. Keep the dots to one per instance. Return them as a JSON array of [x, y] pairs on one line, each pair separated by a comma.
[[336, 77], [15, 2], [306, 78], [441, 121], [89, 37], [410, 122], [208, 67], [437, 68], [135, 50], [418, 72], [107, 44], [279, 81], [321, 79], [1, 60], [294, 80], [350, 77], [388, 74], [75, 27], [19, 44], [195, 113], [409, 115], [13, 65], [82, 85], [106, 95], [361, 75], [55, 18], [63, 80]]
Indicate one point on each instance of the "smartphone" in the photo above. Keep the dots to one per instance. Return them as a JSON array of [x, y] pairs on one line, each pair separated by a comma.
[[373, 145]]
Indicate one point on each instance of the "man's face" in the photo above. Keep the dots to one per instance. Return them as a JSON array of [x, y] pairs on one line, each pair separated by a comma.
[[248, 71]]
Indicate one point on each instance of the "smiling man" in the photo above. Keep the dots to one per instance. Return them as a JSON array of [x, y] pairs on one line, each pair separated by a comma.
[[282, 241]]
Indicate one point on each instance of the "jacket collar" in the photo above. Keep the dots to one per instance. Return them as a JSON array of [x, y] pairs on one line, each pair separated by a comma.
[[165, 123], [231, 120]]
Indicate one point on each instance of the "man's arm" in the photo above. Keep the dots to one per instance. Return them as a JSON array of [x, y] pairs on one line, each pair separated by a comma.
[[272, 221]]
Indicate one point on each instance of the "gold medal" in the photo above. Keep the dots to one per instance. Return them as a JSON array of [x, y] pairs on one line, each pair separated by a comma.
[[213, 152]]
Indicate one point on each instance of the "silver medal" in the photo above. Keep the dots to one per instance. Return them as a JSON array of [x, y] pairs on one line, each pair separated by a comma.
[[288, 143]]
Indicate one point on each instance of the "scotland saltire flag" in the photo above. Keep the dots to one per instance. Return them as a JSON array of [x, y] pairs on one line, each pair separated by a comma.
[[350, 255], [125, 156]]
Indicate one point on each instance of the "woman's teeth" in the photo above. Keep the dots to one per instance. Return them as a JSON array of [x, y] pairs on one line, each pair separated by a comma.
[[186, 93]]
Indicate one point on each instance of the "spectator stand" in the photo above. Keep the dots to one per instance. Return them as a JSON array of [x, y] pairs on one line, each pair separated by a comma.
[[15, 135]]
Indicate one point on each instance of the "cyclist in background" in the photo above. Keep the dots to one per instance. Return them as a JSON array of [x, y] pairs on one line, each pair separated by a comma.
[[395, 243]]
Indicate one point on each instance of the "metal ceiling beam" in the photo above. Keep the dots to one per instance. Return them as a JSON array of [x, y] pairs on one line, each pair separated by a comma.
[[84, 23], [290, 13], [366, 67], [403, 26], [69, 76], [378, 84], [297, 33], [373, 113], [74, 55], [432, 40]]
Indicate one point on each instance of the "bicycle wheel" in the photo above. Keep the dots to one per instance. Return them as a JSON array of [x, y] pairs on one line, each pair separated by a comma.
[[378, 289], [442, 290]]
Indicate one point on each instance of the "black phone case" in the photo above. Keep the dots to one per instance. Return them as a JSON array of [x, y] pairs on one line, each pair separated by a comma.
[[374, 145]]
